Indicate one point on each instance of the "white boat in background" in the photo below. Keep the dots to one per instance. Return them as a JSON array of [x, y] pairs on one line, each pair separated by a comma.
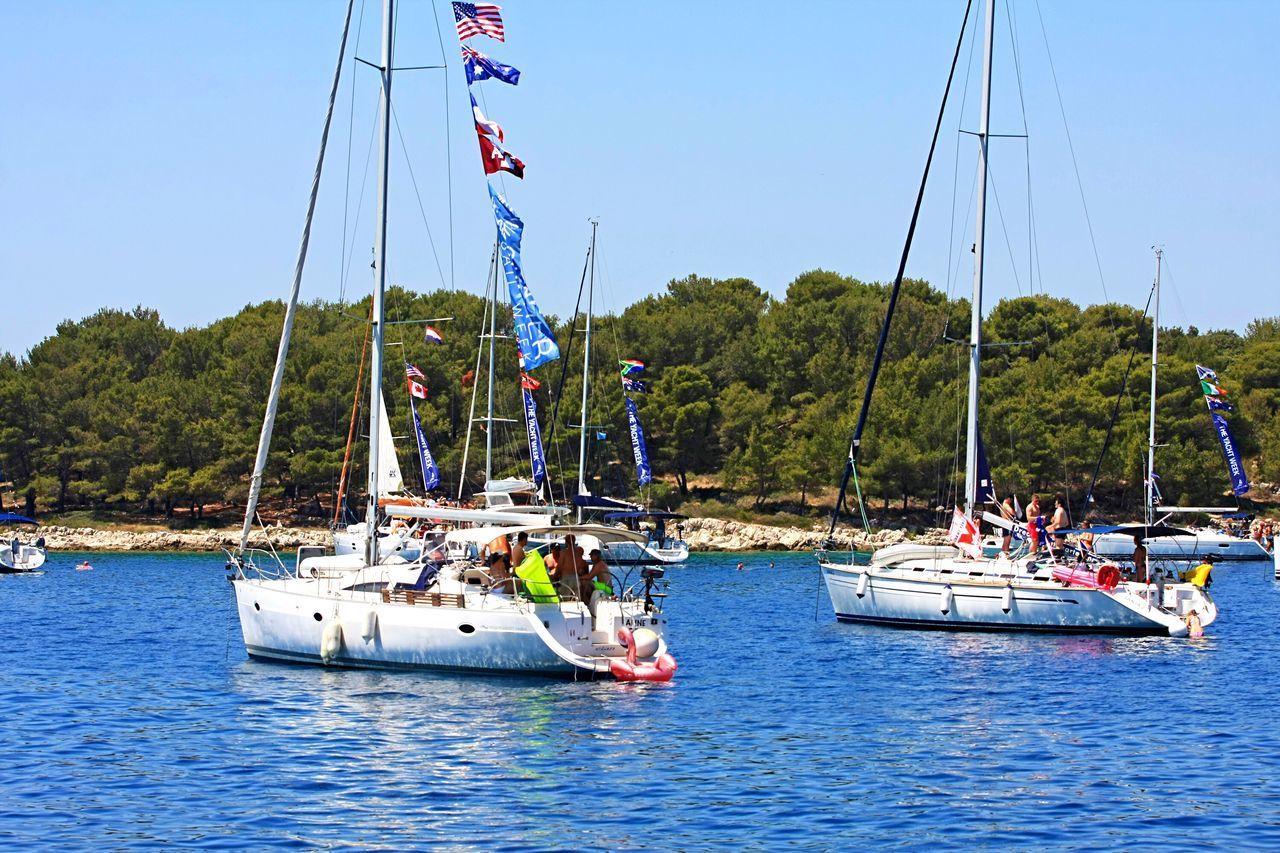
[[915, 586], [1191, 546], [18, 557], [446, 609], [659, 546]]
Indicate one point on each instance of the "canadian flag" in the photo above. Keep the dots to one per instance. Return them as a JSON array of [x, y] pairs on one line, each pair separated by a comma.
[[417, 389], [965, 534]]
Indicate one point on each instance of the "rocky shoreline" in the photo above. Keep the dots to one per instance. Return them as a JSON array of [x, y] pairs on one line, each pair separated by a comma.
[[702, 534]]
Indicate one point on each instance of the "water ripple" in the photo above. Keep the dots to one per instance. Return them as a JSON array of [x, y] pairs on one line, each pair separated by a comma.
[[130, 717]]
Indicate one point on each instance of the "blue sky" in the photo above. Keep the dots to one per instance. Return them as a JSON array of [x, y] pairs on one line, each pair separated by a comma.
[[160, 153]]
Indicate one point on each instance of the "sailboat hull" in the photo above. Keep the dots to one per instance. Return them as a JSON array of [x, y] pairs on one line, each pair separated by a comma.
[[896, 597], [287, 620]]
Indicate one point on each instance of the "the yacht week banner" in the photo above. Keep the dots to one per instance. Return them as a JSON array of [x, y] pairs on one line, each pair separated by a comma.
[[643, 473], [535, 438], [430, 471], [1239, 481], [537, 342]]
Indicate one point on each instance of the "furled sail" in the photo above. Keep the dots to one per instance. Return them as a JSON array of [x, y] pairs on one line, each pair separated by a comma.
[[390, 480]]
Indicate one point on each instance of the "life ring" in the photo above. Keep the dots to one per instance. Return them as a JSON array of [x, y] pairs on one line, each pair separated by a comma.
[[1108, 577], [662, 669]]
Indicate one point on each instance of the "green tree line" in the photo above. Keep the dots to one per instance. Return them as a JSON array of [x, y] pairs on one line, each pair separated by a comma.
[[750, 399]]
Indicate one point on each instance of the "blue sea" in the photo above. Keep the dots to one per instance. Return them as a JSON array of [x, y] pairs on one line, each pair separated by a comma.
[[131, 718]]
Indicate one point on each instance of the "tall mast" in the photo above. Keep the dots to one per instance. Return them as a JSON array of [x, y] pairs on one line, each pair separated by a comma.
[[975, 320], [493, 333], [277, 376], [586, 375], [1149, 512], [380, 260]]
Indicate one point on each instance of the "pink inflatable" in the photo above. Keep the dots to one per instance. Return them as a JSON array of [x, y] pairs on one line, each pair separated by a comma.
[[660, 670], [1106, 577]]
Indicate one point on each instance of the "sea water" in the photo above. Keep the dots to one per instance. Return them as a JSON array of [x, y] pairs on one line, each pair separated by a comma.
[[130, 717]]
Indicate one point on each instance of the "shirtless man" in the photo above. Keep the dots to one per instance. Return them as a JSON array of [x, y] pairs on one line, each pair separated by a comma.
[[518, 550], [1060, 521], [1033, 529], [598, 572]]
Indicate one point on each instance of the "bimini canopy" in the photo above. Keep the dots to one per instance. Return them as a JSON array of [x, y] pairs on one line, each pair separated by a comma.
[[484, 535], [511, 484], [1146, 531], [10, 518], [626, 516], [595, 502]]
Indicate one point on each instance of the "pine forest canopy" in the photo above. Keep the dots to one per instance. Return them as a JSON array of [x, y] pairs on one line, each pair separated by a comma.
[[750, 392]]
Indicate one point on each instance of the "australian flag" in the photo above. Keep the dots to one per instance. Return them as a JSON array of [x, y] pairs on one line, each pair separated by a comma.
[[634, 386], [1216, 405], [481, 67]]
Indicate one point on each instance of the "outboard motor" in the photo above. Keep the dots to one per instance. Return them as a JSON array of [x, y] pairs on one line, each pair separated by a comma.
[[651, 575]]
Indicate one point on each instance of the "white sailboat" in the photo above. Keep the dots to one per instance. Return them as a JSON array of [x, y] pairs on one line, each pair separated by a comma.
[[945, 588], [658, 546], [360, 611], [1192, 545]]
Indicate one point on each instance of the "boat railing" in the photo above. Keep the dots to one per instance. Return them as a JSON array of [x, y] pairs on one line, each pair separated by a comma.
[[256, 562]]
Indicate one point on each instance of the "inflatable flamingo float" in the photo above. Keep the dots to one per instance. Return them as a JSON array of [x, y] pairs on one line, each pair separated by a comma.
[[663, 667]]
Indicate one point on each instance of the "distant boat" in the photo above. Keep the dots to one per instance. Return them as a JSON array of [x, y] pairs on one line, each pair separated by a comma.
[[915, 586], [16, 556], [1195, 544], [660, 545]]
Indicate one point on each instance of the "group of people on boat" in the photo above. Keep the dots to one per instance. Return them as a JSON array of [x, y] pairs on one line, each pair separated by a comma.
[[575, 573], [1041, 531]]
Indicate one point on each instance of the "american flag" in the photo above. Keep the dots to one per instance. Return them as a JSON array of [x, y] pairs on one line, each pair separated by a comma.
[[412, 372], [475, 19]]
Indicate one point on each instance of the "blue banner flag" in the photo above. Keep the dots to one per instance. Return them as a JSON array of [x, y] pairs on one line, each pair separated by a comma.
[[1203, 373], [480, 67], [643, 473], [536, 341], [430, 471], [601, 436], [535, 438], [1216, 405], [634, 386], [1239, 481]]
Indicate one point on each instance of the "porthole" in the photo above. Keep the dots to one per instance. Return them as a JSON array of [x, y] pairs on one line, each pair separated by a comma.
[[317, 617], [257, 606], [467, 629]]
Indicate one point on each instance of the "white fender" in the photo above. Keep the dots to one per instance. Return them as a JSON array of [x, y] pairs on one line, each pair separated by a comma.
[[946, 599], [862, 585], [1006, 598], [370, 625], [331, 641]]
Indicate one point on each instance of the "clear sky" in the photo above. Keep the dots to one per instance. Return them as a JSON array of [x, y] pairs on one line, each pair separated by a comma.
[[160, 153]]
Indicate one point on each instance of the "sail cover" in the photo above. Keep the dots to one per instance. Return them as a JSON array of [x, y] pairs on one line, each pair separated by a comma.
[[430, 471], [533, 333], [986, 487], [390, 480], [643, 473]]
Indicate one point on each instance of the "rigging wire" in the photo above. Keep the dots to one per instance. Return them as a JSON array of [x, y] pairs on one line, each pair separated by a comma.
[[856, 440], [418, 195], [346, 190], [1097, 259], [448, 146]]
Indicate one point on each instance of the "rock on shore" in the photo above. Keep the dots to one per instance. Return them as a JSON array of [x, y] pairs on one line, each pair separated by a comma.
[[702, 534], [91, 539], [716, 534]]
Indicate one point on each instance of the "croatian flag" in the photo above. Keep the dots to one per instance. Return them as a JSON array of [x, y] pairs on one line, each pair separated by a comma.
[[433, 337]]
